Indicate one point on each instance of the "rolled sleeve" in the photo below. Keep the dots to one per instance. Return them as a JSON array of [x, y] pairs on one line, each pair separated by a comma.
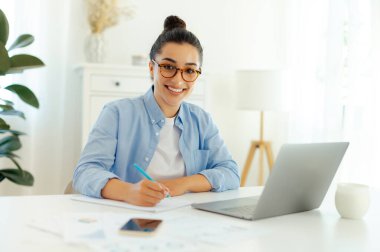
[[221, 179], [91, 181]]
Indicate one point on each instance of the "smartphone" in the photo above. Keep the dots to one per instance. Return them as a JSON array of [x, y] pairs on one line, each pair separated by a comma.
[[139, 226]]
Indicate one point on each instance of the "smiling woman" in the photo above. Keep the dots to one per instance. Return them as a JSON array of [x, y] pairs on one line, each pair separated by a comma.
[[175, 142]]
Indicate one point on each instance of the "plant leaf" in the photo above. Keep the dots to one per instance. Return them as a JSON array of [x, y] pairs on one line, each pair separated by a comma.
[[9, 144], [7, 102], [24, 94], [4, 125], [20, 177], [10, 111], [4, 28], [5, 63], [9, 155], [21, 62], [22, 41], [14, 132]]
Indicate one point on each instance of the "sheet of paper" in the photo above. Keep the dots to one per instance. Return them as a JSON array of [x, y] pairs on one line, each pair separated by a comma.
[[179, 232], [51, 224], [165, 205]]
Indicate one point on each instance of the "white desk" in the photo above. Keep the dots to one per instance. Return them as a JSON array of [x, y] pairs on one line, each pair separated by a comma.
[[318, 230]]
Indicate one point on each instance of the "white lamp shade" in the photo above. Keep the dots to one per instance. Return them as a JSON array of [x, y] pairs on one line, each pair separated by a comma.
[[258, 89]]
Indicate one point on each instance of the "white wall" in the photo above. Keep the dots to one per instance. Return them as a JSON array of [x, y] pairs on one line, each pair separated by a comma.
[[235, 35]]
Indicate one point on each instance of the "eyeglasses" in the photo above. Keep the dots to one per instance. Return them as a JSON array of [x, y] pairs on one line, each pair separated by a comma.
[[169, 71]]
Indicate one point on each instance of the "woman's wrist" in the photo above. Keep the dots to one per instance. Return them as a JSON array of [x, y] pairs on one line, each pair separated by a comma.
[[115, 189]]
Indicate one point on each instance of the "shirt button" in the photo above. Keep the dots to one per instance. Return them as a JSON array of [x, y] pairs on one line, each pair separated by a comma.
[[146, 159], [157, 133], [162, 121], [153, 121]]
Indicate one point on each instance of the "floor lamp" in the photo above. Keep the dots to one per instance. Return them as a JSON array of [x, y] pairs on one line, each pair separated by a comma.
[[258, 90]]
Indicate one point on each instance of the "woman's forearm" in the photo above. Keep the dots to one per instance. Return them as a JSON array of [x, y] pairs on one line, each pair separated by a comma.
[[197, 183], [115, 189], [193, 183]]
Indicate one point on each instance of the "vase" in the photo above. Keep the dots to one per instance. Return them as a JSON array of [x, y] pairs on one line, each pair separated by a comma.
[[94, 48]]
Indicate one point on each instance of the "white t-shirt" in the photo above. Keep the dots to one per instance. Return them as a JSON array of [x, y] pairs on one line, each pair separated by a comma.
[[167, 161]]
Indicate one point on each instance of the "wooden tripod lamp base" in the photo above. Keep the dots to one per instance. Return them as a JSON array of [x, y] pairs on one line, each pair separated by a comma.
[[264, 147], [259, 90]]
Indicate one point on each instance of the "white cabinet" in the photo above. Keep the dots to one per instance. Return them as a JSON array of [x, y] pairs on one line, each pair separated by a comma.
[[104, 83]]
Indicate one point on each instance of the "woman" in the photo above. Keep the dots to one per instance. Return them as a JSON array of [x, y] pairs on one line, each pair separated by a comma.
[[177, 143]]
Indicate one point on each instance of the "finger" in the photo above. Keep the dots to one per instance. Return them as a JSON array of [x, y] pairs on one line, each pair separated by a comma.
[[145, 203], [166, 190], [150, 200], [153, 185], [151, 193], [164, 187]]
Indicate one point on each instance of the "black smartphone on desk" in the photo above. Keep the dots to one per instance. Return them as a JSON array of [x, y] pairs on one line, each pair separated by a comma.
[[140, 226]]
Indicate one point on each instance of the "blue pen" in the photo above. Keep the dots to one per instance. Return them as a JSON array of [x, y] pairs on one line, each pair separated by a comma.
[[146, 175]]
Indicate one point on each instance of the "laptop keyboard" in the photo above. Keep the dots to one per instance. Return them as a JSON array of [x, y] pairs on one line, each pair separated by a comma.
[[241, 210]]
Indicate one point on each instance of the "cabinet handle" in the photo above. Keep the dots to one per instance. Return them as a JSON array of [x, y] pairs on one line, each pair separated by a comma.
[[117, 83]]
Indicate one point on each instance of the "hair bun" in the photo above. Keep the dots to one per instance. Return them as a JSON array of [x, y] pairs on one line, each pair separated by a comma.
[[172, 22]]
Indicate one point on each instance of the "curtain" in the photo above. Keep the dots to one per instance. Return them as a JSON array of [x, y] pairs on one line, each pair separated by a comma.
[[331, 78]]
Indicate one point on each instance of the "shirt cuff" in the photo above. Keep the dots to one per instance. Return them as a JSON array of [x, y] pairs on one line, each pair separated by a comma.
[[92, 181], [215, 178], [102, 184]]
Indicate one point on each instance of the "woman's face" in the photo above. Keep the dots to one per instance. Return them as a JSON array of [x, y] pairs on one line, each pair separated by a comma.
[[170, 92]]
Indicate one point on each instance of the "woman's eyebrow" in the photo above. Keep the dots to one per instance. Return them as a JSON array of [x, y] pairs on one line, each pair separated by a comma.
[[187, 64], [170, 59], [191, 64]]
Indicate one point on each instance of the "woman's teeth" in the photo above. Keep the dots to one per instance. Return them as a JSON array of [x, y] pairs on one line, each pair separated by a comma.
[[175, 89]]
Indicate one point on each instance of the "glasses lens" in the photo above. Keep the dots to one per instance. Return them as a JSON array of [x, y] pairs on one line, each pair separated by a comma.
[[189, 74], [168, 71]]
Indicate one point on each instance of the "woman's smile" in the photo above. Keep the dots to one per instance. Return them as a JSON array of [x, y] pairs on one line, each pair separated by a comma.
[[175, 91]]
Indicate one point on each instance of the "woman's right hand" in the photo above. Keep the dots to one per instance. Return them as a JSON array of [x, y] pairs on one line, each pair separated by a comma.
[[143, 193], [146, 193]]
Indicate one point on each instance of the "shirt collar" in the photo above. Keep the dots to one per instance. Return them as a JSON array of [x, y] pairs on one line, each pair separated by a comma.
[[155, 114]]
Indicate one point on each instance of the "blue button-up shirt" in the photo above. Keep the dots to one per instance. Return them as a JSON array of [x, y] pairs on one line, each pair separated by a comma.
[[127, 132]]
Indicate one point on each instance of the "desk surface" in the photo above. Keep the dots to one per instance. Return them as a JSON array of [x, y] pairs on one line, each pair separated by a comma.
[[317, 230]]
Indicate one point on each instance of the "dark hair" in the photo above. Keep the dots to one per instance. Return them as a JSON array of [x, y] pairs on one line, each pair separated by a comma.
[[175, 31]]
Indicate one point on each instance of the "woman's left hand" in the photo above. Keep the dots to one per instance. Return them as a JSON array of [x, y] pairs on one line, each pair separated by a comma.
[[176, 186], [193, 183]]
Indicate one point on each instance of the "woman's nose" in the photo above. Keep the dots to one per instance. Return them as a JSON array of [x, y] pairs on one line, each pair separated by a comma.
[[178, 77]]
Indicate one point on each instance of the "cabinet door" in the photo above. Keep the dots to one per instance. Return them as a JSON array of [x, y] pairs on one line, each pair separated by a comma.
[[119, 83]]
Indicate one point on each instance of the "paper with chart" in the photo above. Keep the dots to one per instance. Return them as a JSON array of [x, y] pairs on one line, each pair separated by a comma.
[[165, 205]]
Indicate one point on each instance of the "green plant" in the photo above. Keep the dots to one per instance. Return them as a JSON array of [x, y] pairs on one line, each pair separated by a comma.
[[10, 65]]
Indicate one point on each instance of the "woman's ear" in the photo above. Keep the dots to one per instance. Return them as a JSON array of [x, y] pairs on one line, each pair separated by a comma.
[[151, 69]]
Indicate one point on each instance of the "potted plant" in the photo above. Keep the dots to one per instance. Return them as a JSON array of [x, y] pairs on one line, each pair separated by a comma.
[[9, 138]]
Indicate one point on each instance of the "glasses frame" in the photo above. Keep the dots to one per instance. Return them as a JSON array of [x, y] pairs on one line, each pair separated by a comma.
[[199, 72]]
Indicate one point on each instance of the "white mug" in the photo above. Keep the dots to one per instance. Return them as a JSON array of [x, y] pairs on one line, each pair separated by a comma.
[[352, 200]]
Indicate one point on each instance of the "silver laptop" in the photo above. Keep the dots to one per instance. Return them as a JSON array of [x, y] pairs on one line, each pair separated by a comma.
[[299, 181]]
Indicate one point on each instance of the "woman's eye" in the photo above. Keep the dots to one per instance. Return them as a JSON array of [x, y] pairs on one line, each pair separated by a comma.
[[168, 67], [190, 71]]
